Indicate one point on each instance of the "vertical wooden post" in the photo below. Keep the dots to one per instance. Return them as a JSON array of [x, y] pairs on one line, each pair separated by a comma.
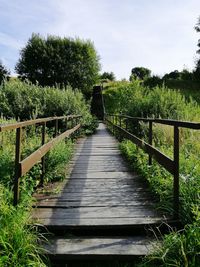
[[176, 172], [66, 121], [66, 125], [76, 123], [72, 126], [116, 123], [43, 158], [150, 140], [17, 165], [120, 125], [113, 122], [56, 127], [126, 124]]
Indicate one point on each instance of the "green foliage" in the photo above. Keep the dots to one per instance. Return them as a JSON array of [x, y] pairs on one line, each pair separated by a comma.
[[56, 161], [110, 76], [4, 73], [153, 81], [178, 248], [62, 61], [135, 100], [18, 239], [140, 73], [197, 28], [23, 100]]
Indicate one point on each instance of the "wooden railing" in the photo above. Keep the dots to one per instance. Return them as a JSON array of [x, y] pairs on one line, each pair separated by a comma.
[[120, 124], [23, 166]]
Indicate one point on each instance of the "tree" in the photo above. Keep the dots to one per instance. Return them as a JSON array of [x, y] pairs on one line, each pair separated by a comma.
[[4, 73], [153, 81], [62, 61], [140, 73], [197, 71], [174, 75], [108, 75]]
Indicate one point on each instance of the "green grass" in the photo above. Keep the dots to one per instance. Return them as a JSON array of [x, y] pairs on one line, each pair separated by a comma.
[[178, 248], [18, 238]]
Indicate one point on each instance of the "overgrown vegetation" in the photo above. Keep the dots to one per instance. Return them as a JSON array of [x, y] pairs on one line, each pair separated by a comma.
[[133, 99], [19, 240], [4, 73]]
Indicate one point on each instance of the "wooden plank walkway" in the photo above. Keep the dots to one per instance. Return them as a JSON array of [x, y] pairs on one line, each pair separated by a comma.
[[102, 193]]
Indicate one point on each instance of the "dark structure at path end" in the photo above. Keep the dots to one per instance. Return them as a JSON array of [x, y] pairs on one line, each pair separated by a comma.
[[97, 105]]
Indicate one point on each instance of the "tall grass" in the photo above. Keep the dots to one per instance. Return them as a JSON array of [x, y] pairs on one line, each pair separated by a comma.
[[23, 101], [19, 239], [178, 248]]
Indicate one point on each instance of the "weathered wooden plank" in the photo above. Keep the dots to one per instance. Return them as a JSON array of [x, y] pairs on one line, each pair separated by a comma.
[[99, 222], [98, 169], [105, 191], [67, 204], [95, 212], [63, 248], [105, 175], [98, 165], [98, 153]]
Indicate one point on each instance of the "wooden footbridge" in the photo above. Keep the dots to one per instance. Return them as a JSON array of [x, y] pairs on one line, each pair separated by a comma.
[[102, 202], [104, 209]]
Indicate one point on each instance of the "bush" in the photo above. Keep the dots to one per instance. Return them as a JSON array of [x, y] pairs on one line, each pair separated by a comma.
[[18, 239], [4, 73], [178, 248]]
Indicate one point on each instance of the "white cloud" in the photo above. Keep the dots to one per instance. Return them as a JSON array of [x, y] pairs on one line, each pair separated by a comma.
[[156, 34], [10, 41]]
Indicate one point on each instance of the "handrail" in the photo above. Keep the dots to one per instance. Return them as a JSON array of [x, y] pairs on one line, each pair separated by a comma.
[[12, 126], [171, 165], [182, 124], [23, 166]]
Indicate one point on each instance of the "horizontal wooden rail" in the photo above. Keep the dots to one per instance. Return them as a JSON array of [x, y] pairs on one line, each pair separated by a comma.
[[160, 157], [182, 124], [171, 165], [13, 126], [23, 166], [30, 161]]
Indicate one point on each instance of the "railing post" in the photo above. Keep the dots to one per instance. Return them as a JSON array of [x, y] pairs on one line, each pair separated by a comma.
[[120, 125], [43, 158], [113, 122], [56, 127], [66, 121], [76, 122], [150, 140], [116, 123], [176, 172], [126, 122], [17, 166]]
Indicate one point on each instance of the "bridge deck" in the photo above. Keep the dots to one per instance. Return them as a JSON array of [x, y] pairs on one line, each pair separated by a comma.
[[101, 193], [101, 190]]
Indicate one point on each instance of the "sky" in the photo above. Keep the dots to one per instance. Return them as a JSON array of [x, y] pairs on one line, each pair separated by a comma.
[[156, 34]]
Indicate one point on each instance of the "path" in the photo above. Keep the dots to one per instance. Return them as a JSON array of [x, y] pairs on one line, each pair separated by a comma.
[[104, 204]]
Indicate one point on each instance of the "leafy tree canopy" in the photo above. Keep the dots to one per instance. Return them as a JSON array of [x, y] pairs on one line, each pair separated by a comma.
[[108, 75], [4, 73], [62, 61], [197, 72], [140, 73]]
